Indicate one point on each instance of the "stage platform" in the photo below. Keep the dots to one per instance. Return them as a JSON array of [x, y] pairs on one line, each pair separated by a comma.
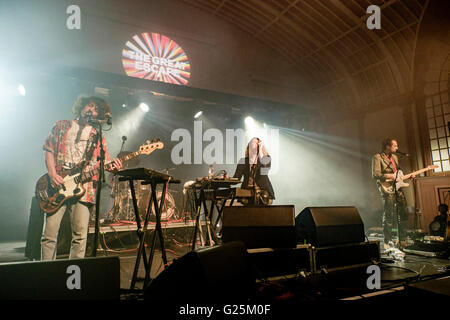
[[345, 284]]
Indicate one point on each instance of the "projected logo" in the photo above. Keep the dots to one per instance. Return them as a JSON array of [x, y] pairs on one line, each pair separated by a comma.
[[153, 56]]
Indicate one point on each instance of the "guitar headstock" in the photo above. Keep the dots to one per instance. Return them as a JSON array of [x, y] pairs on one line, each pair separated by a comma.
[[151, 146], [432, 166]]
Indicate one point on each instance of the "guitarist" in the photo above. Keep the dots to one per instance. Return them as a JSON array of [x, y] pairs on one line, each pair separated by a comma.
[[384, 167], [69, 143]]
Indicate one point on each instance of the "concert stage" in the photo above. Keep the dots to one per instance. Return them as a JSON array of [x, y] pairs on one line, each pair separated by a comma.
[[347, 283]]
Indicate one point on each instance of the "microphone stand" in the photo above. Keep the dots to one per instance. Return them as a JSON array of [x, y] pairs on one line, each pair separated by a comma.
[[101, 177], [396, 207], [255, 167], [417, 217], [115, 187], [124, 138]]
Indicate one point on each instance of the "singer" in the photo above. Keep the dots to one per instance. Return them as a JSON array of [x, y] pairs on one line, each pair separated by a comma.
[[255, 169], [384, 167], [69, 143]]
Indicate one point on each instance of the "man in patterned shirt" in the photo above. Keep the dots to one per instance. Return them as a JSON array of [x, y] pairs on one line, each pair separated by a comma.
[[69, 143]]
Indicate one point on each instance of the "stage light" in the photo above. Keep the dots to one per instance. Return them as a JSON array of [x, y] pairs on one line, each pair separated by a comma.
[[21, 90], [144, 107], [198, 114], [249, 121], [124, 105]]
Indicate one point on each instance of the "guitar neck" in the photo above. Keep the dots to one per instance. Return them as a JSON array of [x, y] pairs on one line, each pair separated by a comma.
[[87, 176], [415, 173]]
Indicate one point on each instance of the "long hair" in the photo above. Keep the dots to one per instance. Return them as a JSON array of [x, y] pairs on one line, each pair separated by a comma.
[[263, 150], [386, 142], [82, 101]]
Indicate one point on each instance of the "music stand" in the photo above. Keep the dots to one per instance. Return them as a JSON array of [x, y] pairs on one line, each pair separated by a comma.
[[153, 178]]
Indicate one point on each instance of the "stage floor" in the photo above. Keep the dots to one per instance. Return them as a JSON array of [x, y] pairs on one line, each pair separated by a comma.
[[394, 274]]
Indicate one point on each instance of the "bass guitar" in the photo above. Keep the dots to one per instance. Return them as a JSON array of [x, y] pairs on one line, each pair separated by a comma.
[[51, 198]]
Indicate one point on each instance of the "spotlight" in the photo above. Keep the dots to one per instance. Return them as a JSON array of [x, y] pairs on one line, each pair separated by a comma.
[[21, 90], [198, 114], [124, 105], [249, 121], [144, 107]]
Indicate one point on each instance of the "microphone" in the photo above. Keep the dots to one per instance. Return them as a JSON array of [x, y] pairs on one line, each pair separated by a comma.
[[107, 120], [124, 138], [402, 153], [108, 117]]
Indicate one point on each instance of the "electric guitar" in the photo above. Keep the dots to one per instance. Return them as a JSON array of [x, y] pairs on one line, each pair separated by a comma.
[[51, 198], [388, 184]]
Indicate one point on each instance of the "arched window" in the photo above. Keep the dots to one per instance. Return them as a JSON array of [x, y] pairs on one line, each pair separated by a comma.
[[438, 117]]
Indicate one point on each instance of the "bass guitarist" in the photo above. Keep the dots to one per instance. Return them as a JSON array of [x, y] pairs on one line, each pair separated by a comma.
[[69, 143], [384, 168]]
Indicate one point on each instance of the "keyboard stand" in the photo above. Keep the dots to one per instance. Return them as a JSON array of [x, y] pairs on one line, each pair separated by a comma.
[[142, 230], [200, 200]]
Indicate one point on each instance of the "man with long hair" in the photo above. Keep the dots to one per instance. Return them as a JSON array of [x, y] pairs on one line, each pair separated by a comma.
[[385, 166], [255, 169], [69, 143]]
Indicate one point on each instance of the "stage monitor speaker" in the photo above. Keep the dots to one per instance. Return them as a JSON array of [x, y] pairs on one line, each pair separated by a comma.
[[76, 279], [260, 226], [220, 273], [437, 289], [327, 226]]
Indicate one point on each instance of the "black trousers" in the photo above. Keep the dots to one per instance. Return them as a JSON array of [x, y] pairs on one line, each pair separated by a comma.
[[390, 218]]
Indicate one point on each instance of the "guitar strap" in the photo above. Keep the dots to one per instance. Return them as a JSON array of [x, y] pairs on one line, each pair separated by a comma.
[[389, 162], [385, 159], [393, 163]]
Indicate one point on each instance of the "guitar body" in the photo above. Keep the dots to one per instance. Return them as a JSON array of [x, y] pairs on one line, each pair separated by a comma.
[[388, 185], [51, 199]]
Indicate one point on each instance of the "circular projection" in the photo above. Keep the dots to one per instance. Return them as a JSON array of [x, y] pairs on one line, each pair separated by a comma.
[[153, 56]]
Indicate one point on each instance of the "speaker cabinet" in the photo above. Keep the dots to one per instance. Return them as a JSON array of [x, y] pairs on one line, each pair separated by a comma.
[[327, 226], [260, 226], [76, 279], [210, 274], [270, 262], [345, 256]]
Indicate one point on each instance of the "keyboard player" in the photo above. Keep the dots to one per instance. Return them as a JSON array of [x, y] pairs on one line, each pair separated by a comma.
[[255, 169]]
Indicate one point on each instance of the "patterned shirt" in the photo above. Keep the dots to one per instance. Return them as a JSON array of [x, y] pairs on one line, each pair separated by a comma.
[[70, 145]]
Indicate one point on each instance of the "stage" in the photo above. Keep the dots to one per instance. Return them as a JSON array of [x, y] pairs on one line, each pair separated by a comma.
[[346, 284]]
